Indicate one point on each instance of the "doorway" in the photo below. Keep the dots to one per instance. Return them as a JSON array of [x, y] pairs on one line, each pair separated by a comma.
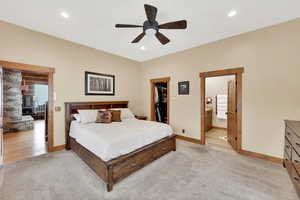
[[221, 111], [26, 110], [160, 100], [219, 98]]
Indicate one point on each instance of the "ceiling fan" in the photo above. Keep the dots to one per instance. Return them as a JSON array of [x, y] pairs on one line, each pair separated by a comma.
[[151, 26]]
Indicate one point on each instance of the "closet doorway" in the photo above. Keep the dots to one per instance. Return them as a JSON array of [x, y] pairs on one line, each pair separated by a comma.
[[160, 99], [233, 110]]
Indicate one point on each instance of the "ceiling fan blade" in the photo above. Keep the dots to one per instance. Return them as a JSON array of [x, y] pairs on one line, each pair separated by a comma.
[[127, 26], [151, 12], [138, 38], [174, 25], [162, 38]]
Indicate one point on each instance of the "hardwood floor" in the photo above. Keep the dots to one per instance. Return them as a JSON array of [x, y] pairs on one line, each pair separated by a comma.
[[218, 138], [25, 144]]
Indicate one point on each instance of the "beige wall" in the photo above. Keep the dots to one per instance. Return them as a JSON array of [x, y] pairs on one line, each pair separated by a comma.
[[271, 83], [217, 86], [70, 61], [271, 79]]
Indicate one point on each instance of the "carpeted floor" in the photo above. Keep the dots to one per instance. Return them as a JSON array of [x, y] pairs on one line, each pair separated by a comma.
[[192, 172]]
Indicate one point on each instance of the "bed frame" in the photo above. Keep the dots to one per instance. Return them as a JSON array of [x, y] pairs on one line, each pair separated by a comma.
[[113, 171]]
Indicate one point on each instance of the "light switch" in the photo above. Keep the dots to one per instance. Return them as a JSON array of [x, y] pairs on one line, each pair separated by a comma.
[[57, 108]]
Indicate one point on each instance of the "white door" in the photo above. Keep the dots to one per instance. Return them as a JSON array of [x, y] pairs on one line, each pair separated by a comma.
[[1, 116]]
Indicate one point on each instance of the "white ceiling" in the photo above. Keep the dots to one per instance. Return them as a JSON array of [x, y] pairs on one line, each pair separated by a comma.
[[91, 22]]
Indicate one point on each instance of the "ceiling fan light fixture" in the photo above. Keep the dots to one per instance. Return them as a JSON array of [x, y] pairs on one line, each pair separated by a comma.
[[150, 32], [151, 27]]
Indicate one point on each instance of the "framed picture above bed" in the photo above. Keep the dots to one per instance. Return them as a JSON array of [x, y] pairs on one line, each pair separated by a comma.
[[99, 84]]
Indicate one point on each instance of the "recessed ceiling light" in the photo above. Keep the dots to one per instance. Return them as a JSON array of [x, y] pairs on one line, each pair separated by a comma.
[[143, 48], [65, 15], [232, 13]]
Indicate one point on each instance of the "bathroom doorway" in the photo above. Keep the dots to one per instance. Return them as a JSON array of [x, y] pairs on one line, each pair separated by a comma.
[[221, 108], [219, 96]]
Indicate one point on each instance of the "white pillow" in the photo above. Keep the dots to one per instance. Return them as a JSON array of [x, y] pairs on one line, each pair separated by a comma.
[[88, 116], [125, 113], [77, 117]]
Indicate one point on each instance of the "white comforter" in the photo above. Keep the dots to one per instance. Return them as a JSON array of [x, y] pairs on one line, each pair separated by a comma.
[[109, 141]]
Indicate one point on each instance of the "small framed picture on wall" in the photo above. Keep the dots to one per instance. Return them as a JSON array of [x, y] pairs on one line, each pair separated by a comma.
[[184, 88], [99, 84]]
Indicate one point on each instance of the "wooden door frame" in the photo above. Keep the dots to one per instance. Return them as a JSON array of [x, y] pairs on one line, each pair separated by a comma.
[[43, 70], [238, 72], [158, 80], [1, 116]]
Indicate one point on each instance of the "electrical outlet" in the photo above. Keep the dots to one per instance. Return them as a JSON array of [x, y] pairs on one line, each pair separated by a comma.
[[183, 131]]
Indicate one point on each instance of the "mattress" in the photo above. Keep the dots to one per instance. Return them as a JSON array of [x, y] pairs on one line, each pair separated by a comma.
[[109, 141]]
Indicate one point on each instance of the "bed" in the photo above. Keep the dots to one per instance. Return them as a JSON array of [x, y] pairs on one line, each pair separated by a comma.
[[114, 151]]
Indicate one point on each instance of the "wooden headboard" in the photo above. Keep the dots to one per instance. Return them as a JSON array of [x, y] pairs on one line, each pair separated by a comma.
[[73, 107]]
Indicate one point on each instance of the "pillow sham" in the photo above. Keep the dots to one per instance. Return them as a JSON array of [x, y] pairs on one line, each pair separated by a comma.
[[125, 113], [116, 115], [104, 117], [88, 116]]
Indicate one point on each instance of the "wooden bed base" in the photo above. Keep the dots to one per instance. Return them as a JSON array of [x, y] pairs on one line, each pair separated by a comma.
[[113, 171]]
